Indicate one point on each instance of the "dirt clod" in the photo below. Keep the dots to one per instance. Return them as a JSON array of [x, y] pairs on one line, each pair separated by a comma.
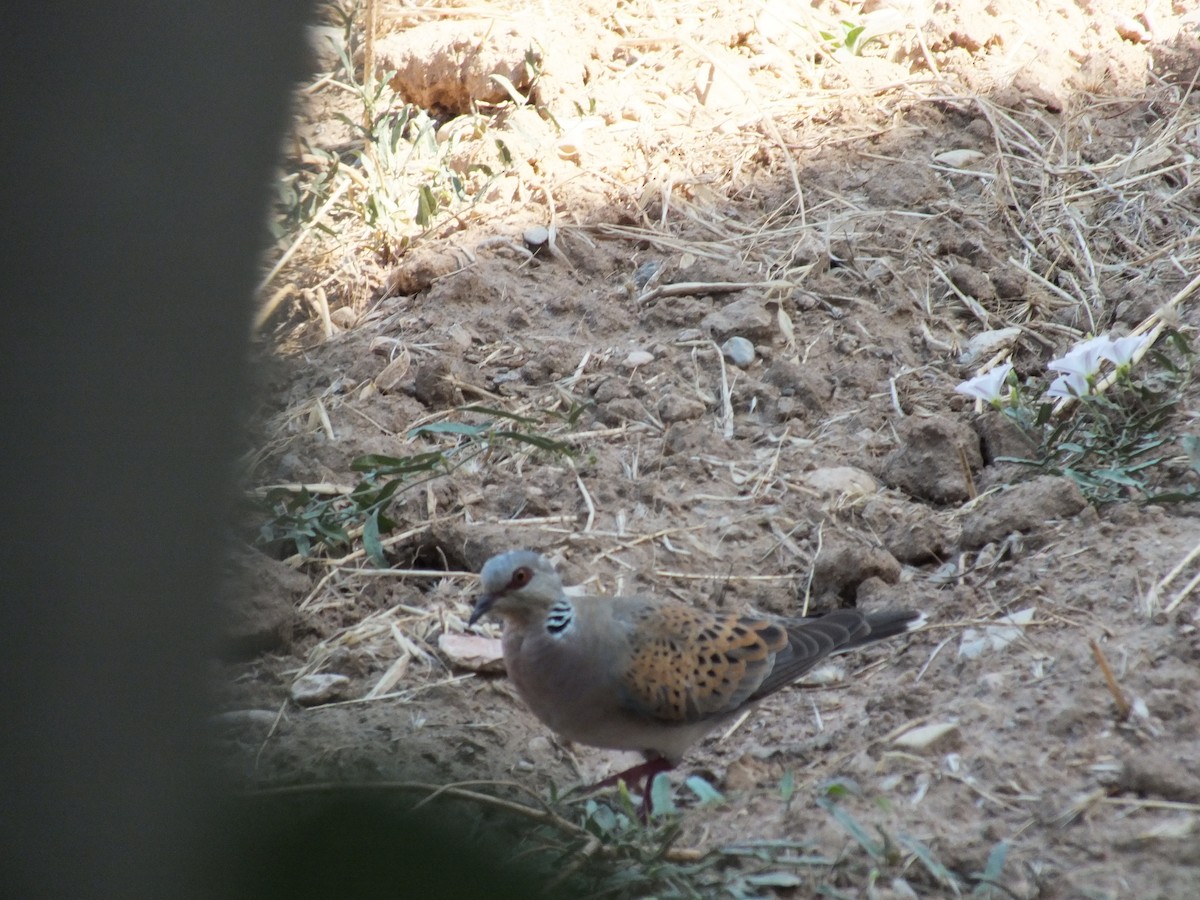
[[1024, 507], [933, 459]]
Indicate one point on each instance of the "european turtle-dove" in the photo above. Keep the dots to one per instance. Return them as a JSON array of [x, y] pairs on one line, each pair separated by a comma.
[[655, 675]]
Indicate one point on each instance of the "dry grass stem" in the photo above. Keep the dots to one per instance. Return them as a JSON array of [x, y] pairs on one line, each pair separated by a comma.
[[1110, 681]]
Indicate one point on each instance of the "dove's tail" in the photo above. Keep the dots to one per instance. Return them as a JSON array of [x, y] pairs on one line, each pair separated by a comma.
[[889, 623]]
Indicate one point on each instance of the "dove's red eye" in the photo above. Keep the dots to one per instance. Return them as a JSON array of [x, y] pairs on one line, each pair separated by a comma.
[[520, 578]]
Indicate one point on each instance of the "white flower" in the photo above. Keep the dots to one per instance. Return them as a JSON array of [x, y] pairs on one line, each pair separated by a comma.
[[1122, 351], [987, 387], [1084, 360], [1073, 384]]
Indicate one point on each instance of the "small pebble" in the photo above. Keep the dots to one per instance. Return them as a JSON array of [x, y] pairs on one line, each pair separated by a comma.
[[535, 236], [645, 273], [637, 358], [834, 480], [738, 351], [926, 736], [310, 690], [472, 652]]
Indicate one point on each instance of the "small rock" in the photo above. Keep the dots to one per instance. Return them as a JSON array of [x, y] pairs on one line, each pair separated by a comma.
[[620, 410], [677, 311], [421, 268], [844, 563], [925, 737], [1010, 285], [1001, 436], [433, 384], [637, 358], [911, 532], [673, 408], [987, 344], [324, 687], [343, 317], [611, 389], [1155, 774], [747, 317], [838, 480], [540, 745], [928, 464], [972, 282], [472, 652], [738, 351], [809, 388], [1024, 507], [685, 440], [645, 274], [535, 236]]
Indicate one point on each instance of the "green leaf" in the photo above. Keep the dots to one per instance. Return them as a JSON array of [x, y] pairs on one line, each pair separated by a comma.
[[604, 818], [705, 792], [506, 156], [787, 786], [303, 545], [331, 532], [874, 849], [775, 879], [1116, 476], [371, 541], [662, 799], [427, 206], [381, 465], [1173, 497], [935, 866], [841, 787], [625, 799], [991, 871]]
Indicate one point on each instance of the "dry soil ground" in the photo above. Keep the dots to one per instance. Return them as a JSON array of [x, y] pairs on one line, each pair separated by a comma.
[[860, 206]]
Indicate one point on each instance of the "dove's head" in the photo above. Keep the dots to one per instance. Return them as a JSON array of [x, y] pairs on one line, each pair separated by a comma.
[[519, 584]]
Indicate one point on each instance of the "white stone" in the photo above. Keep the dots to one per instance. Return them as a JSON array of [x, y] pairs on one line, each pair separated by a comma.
[[838, 480], [738, 351], [324, 687], [536, 235]]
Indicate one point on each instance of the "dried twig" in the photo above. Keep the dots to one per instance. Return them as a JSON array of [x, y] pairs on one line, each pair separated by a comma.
[[1123, 708]]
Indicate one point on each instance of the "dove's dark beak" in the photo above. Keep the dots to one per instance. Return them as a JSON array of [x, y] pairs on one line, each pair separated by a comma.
[[482, 606]]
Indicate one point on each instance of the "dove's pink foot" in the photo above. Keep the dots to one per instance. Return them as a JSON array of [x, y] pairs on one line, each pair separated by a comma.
[[643, 772]]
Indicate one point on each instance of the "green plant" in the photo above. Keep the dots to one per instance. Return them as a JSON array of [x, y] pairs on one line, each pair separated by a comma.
[[300, 518], [404, 174], [851, 38], [1114, 437]]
